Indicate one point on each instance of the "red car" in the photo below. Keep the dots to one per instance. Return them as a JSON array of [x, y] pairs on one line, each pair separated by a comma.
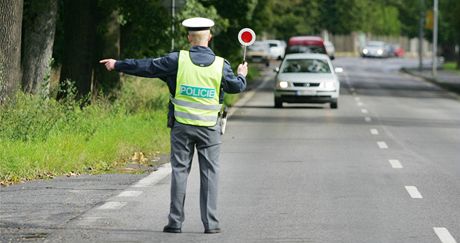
[[399, 51], [306, 44]]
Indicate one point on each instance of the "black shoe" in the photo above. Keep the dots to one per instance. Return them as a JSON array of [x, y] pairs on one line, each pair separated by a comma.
[[169, 229], [212, 231]]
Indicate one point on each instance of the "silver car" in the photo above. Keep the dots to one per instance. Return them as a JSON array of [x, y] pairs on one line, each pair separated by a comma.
[[376, 49], [307, 78]]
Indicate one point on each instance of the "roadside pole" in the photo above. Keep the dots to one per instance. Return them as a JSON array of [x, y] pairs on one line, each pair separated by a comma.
[[173, 17], [435, 39], [420, 35]]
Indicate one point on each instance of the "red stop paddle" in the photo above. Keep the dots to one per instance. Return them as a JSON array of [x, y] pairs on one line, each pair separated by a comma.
[[246, 37]]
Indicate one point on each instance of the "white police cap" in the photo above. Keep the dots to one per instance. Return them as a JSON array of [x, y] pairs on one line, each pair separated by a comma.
[[197, 24]]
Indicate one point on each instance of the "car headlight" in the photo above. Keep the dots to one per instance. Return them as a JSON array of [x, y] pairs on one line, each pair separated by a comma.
[[283, 84], [365, 51], [380, 51], [329, 85]]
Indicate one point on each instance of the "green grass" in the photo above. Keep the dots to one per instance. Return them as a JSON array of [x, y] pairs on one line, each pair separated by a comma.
[[45, 137], [452, 66]]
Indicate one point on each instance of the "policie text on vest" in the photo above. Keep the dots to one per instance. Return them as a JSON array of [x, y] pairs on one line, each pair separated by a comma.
[[199, 92]]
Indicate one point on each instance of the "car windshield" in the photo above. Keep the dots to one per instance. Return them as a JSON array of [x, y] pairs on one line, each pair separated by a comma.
[[305, 49], [258, 46], [305, 66], [375, 44]]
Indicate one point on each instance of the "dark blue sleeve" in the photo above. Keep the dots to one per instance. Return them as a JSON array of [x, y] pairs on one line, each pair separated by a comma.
[[150, 68], [230, 83]]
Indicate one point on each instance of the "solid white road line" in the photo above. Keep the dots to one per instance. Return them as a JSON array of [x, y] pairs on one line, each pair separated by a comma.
[[374, 131], [413, 192], [155, 176], [367, 119], [382, 145], [112, 205], [395, 164], [130, 194], [444, 235]]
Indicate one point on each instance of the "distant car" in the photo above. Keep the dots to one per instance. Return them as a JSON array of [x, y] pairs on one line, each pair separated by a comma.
[[330, 49], [397, 50], [259, 52], [376, 49], [277, 49], [306, 44], [306, 78]]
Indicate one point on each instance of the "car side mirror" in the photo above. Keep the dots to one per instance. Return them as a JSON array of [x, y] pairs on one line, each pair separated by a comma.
[[338, 70], [276, 70]]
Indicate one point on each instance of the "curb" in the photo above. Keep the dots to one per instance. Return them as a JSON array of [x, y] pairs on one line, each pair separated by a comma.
[[434, 81]]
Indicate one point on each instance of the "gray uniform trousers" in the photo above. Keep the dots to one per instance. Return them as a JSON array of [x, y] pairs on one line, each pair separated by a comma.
[[207, 140]]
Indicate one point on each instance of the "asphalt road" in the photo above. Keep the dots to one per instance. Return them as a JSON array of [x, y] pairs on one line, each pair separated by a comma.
[[384, 167]]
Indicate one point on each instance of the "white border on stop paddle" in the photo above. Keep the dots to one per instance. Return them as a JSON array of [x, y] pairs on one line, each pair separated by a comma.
[[250, 31]]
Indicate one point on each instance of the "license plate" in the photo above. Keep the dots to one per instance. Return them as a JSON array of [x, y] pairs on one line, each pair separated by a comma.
[[306, 92]]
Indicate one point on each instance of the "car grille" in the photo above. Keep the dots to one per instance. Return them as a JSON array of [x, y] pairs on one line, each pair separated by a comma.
[[306, 84]]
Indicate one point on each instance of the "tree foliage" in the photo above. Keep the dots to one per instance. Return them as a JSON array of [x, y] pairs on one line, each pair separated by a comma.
[[193, 8], [88, 30]]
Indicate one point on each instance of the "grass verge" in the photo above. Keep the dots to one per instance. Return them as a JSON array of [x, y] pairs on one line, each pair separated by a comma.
[[451, 66], [45, 138]]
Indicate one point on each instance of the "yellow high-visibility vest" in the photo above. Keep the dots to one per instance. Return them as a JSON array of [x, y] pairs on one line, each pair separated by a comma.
[[196, 101]]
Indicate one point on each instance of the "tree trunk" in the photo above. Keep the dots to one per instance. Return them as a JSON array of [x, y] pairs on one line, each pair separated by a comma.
[[38, 38], [79, 43], [10, 47], [448, 51], [458, 55], [109, 47]]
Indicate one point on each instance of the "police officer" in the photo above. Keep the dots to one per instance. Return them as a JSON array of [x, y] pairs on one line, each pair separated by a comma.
[[197, 80]]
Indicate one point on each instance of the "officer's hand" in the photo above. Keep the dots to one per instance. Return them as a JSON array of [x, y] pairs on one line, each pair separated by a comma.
[[109, 63], [243, 69]]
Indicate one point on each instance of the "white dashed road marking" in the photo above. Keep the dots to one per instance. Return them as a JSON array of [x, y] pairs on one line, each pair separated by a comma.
[[382, 145], [395, 164], [374, 131], [360, 104], [413, 192], [444, 235], [130, 194], [364, 111], [357, 98], [112, 205], [367, 119]]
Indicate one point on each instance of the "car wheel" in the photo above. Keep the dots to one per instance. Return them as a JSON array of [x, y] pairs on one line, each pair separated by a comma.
[[278, 103], [334, 104]]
